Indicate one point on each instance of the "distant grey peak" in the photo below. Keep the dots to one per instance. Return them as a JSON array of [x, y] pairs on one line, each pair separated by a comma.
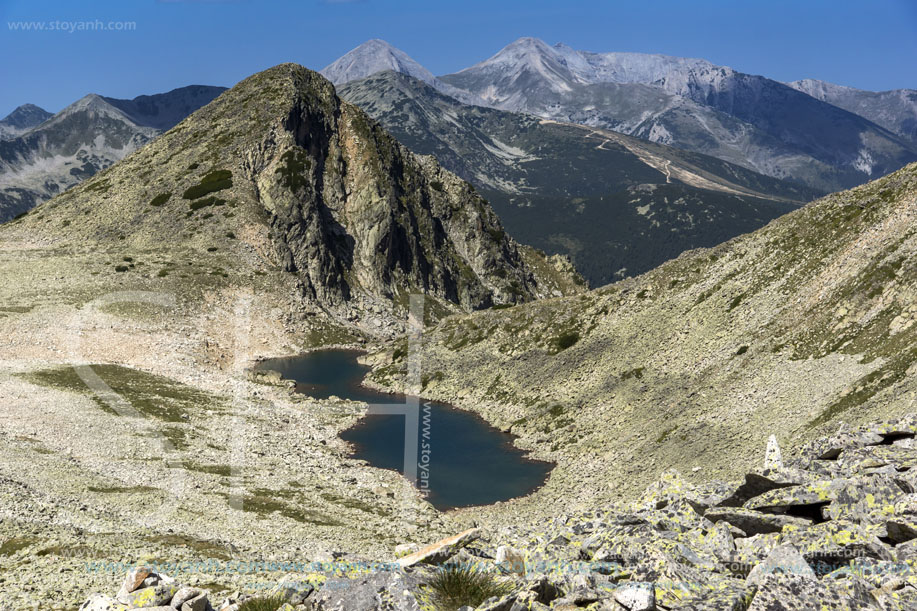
[[371, 57], [25, 116], [375, 56], [165, 110], [91, 103], [22, 119]]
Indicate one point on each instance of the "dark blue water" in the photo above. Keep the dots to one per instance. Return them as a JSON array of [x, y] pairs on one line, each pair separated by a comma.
[[462, 460]]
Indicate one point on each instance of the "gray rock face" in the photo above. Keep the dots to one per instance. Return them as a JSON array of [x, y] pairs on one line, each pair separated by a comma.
[[382, 590], [895, 110]]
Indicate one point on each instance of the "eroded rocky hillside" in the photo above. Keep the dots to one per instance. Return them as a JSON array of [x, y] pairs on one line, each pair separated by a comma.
[[784, 331]]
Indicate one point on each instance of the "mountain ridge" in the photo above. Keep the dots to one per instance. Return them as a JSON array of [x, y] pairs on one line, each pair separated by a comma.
[[318, 190], [786, 330], [87, 136], [747, 119], [22, 119]]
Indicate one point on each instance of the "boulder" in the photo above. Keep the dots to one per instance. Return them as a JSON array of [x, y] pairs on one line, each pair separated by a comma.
[[441, 550], [792, 592], [759, 482], [510, 560], [754, 522], [636, 596], [782, 559], [100, 602], [184, 595], [133, 580], [153, 596], [773, 458], [829, 448], [390, 590]]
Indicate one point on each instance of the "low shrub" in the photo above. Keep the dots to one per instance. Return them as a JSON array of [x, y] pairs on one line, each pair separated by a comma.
[[211, 183]]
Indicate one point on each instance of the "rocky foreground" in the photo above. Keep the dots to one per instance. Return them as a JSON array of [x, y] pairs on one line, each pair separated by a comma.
[[834, 527]]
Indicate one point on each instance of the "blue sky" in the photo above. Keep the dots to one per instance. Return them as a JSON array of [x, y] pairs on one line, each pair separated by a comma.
[[870, 44]]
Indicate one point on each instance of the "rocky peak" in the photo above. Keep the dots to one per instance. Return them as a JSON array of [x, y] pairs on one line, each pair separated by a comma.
[[353, 215], [371, 57], [22, 119]]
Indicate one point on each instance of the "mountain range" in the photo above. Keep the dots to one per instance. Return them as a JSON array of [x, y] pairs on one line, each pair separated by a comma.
[[753, 121], [616, 205], [895, 110], [51, 155]]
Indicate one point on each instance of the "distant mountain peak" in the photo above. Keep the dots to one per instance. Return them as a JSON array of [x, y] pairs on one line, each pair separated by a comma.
[[23, 118], [374, 56]]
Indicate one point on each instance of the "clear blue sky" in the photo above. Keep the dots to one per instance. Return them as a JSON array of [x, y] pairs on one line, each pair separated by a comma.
[[871, 44]]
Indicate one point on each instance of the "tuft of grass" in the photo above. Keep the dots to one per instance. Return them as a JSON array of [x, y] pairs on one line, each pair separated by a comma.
[[121, 268], [160, 199], [211, 183], [293, 172], [11, 546], [153, 396], [458, 586], [207, 201], [565, 340], [742, 350], [262, 603]]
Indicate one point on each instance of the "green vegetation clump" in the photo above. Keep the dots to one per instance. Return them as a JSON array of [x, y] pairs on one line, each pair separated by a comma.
[[160, 199], [150, 395], [11, 546], [99, 186], [637, 373], [496, 234], [207, 201], [457, 586], [437, 185], [295, 163], [266, 603], [121, 268], [565, 340], [742, 350], [211, 183]]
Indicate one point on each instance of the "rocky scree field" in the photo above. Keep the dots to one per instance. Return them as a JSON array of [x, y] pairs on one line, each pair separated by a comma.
[[834, 527]]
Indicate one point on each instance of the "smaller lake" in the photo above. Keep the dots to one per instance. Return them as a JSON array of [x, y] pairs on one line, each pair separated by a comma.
[[465, 460]]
